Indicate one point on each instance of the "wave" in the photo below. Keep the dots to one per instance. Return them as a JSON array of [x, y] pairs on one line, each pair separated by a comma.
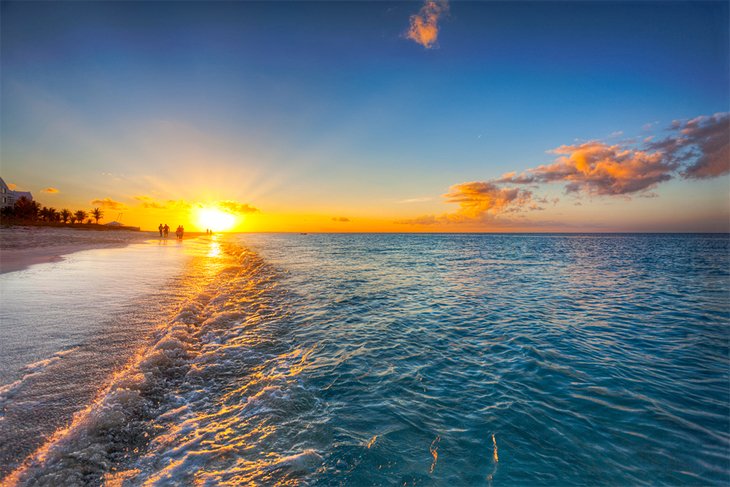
[[214, 381]]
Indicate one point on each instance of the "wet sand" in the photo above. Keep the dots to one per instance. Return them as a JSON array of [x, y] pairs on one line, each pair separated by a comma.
[[22, 247]]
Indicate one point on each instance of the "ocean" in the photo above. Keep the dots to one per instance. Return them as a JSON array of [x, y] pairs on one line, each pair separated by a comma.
[[374, 359]]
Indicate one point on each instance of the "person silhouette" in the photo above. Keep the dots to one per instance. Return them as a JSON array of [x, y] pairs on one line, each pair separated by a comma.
[[160, 228], [166, 229]]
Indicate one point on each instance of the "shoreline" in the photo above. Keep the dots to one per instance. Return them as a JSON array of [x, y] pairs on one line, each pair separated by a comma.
[[23, 247], [99, 336]]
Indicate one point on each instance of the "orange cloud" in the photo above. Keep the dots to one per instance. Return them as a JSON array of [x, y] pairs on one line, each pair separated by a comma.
[[600, 169], [50, 190], [236, 207], [697, 149], [478, 197], [424, 28], [479, 201], [108, 203], [150, 203], [340, 219]]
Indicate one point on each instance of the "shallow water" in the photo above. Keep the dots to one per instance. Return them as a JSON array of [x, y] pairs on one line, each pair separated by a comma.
[[424, 360]]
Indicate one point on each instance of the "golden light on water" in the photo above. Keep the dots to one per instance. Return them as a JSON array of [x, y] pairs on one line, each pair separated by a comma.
[[214, 219]]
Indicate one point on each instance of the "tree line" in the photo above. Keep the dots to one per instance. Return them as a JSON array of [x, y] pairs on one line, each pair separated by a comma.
[[31, 211]]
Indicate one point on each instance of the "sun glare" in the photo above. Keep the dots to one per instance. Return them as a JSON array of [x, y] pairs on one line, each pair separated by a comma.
[[216, 220]]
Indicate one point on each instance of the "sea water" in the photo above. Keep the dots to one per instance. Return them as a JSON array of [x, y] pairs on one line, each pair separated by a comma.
[[418, 360]]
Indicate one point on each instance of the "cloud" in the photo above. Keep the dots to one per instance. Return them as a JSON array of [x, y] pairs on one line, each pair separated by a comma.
[[597, 168], [695, 149], [12, 186], [50, 190], [150, 203], [236, 207], [421, 220], [422, 199], [424, 29], [476, 198], [479, 201], [108, 203], [340, 219], [703, 143]]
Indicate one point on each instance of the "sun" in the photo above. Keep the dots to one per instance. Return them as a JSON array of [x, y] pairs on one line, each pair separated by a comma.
[[214, 219]]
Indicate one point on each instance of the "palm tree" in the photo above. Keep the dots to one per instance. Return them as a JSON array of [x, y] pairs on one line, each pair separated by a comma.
[[97, 214], [52, 214], [80, 216], [26, 209], [65, 215], [72, 219]]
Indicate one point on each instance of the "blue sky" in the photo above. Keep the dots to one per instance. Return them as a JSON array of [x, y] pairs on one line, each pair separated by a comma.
[[328, 107]]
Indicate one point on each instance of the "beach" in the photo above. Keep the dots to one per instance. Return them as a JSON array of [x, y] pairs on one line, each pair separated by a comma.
[[21, 247], [359, 359], [76, 305]]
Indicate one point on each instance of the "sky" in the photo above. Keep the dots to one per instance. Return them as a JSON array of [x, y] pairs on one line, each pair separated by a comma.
[[372, 116]]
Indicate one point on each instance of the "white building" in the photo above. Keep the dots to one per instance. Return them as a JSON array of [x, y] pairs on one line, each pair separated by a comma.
[[8, 197]]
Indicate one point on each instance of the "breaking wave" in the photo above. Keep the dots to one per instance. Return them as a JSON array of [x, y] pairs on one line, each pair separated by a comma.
[[215, 381]]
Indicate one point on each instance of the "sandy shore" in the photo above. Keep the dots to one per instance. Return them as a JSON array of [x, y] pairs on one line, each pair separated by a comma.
[[22, 247]]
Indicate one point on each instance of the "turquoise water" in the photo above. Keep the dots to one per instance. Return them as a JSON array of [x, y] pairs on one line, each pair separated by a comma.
[[428, 360]]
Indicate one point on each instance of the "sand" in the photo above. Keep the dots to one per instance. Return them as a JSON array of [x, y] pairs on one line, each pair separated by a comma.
[[22, 247]]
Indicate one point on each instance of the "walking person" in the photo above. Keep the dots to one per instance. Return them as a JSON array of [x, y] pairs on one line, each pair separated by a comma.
[[160, 228], [166, 229]]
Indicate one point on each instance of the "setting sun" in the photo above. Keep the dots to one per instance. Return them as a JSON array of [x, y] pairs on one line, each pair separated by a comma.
[[216, 220]]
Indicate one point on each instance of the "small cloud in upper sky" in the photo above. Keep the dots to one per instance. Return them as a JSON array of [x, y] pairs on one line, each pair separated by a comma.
[[424, 29], [50, 190], [340, 219], [108, 203]]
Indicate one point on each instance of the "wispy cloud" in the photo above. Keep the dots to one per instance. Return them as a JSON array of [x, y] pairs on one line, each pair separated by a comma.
[[50, 190], [108, 203], [424, 28], [422, 199], [340, 219]]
